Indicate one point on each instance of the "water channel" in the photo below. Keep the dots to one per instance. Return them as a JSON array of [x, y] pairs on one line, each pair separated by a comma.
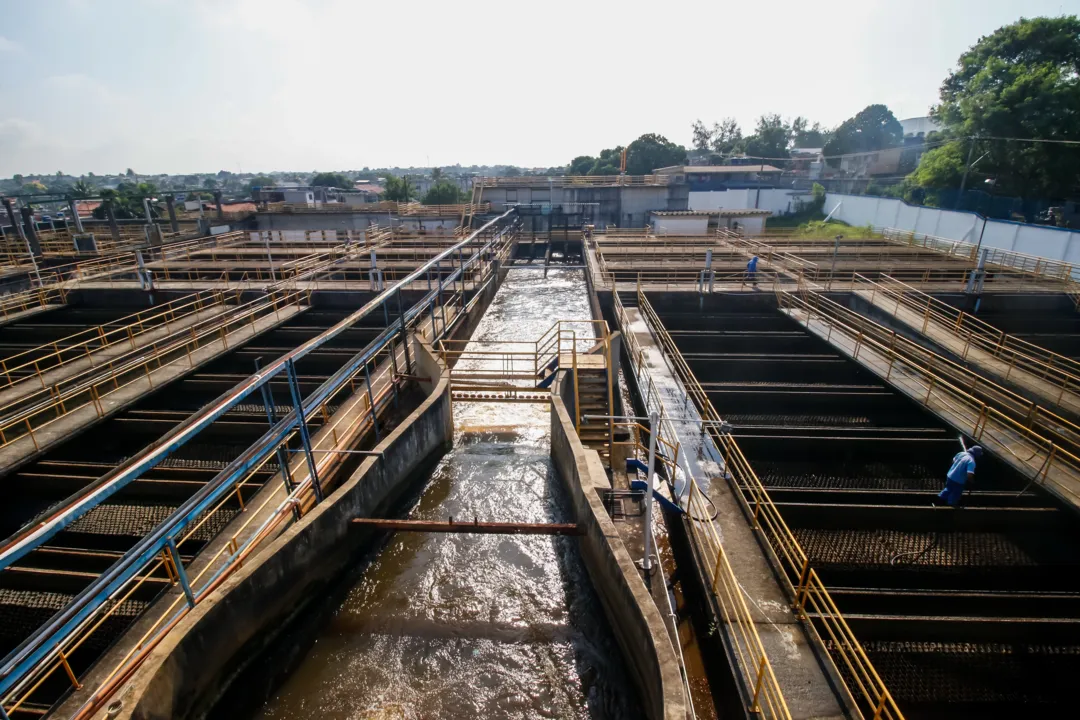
[[476, 626]]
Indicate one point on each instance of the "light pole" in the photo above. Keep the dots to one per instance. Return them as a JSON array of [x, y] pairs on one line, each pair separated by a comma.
[[654, 428]]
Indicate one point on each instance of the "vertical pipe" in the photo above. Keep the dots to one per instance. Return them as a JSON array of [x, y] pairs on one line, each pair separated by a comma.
[[654, 427], [301, 421]]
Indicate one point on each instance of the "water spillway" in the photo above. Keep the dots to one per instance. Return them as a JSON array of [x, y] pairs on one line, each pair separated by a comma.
[[453, 625]]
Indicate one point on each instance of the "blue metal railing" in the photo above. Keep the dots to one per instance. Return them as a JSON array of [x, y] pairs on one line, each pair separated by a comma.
[[43, 645]]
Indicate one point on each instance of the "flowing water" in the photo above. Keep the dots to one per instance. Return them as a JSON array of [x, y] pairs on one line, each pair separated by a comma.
[[476, 626]]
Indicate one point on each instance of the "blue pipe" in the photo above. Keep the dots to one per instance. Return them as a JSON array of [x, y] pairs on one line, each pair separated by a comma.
[[36, 647]]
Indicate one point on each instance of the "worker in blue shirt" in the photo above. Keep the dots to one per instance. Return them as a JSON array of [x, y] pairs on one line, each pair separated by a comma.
[[961, 472], [751, 270]]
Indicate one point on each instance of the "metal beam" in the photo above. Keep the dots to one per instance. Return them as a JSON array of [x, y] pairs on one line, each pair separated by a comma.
[[476, 527]]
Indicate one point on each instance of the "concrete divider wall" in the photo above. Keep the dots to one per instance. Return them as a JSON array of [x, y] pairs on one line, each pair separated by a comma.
[[881, 212], [638, 626], [193, 665]]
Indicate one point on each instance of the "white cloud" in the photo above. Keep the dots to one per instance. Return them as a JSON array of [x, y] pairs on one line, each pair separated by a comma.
[[9, 46]]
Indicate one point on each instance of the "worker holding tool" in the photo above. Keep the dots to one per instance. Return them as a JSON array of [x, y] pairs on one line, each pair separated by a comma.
[[961, 472], [751, 270]]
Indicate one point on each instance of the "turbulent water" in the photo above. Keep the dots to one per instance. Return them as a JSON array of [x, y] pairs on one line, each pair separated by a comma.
[[476, 626]]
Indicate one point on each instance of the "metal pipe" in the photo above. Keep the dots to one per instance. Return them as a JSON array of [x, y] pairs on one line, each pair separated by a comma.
[[38, 645], [654, 428]]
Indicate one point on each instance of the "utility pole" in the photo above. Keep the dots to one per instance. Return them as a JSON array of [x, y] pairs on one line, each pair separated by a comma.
[[967, 169]]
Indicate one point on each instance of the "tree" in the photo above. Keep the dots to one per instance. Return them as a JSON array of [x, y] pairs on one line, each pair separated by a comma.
[[702, 136], [331, 179], [1021, 81], [210, 183], [872, 128], [770, 139], [652, 151], [34, 186], [443, 192], [127, 201], [436, 174], [17, 178], [608, 162], [130, 173], [726, 136], [804, 135], [83, 189], [512, 171], [259, 181], [581, 165], [398, 189]]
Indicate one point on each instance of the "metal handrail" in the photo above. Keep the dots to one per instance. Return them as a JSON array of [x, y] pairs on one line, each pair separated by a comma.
[[29, 363], [1063, 372], [973, 415], [866, 688], [37, 653], [766, 696]]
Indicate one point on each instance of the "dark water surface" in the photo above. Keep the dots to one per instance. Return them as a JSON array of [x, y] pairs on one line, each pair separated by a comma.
[[476, 626]]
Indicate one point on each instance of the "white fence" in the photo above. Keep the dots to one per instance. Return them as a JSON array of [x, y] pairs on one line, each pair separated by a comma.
[[881, 212]]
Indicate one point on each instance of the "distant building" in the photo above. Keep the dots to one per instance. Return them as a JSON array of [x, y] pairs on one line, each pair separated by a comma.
[[917, 128], [705, 178], [298, 196], [706, 222]]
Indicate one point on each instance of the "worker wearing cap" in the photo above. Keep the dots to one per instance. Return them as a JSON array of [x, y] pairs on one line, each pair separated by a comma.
[[751, 270], [962, 470]]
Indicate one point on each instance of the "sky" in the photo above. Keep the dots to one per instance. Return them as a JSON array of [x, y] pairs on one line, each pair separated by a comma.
[[187, 86]]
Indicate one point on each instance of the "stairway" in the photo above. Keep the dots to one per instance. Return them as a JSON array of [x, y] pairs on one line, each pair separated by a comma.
[[594, 398]]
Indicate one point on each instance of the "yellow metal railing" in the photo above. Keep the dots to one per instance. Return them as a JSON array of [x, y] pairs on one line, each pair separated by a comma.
[[115, 375], [812, 602], [990, 414], [766, 695], [83, 344], [1016, 354]]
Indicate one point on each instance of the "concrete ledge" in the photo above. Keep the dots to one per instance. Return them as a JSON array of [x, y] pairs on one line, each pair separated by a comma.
[[638, 625], [195, 663]]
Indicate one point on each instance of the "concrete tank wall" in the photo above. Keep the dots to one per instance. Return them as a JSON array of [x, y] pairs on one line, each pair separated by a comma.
[[638, 626]]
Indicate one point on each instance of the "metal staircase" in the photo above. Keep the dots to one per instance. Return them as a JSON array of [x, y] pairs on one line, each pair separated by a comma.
[[523, 371]]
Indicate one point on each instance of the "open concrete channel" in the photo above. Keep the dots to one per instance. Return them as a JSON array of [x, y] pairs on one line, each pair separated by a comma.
[[462, 625]]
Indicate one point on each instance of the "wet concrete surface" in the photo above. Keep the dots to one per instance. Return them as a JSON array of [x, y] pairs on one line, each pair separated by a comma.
[[484, 626]]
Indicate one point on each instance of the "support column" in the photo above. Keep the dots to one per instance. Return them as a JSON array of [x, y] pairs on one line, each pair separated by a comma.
[[30, 233], [170, 203], [75, 216], [15, 224], [220, 210], [110, 214]]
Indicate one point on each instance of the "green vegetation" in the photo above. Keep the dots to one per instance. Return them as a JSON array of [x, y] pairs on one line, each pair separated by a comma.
[[1021, 81], [126, 201], [331, 179], [822, 229], [873, 128], [398, 189], [259, 181], [644, 155], [443, 192]]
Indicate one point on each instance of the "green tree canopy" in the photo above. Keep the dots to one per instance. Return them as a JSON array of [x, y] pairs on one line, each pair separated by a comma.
[[805, 135], [1021, 81], [83, 189], [331, 179], [210, 183], [770, 139], [607, 163], [872, 128], [34, 186], [650, 152], [398, 189], [259, 181], [443, 192], [581, 165], [126, 201]]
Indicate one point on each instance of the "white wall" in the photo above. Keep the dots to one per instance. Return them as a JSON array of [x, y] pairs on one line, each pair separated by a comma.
[[1041, 240], [775, 200], [680, 224]]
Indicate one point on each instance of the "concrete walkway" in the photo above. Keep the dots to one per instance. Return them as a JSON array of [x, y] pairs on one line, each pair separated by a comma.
[[32, 384], [999, 437], [1050, 392], [78, 419], [806, 688]]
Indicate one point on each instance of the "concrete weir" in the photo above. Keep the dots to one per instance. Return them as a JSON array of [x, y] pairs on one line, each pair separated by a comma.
[[638, 625], [193, 665]]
